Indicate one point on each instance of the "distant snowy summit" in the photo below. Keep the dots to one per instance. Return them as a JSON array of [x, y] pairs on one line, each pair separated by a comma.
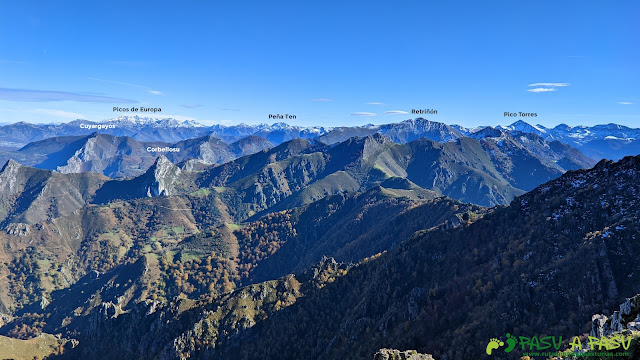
[[417, 128], [524, 127], [141, 121]]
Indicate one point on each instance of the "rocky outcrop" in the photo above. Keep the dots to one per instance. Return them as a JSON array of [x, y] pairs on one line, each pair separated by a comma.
[[109, 310], [393, 354], [4, 318], [275, 183], [194, 165], [233, 316], [627, 318], [18, 229], [163, 175]]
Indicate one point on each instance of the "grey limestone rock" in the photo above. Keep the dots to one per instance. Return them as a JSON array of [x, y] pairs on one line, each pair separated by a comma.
[[164, 176], [393, 354], [628, 317]]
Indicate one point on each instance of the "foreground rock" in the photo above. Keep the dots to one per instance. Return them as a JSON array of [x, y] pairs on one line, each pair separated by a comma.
[[393, 354], [627, 318]]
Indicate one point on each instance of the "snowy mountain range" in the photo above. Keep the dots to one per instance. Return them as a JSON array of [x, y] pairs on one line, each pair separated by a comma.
[[610, 141], [152, 129], [132, 121]]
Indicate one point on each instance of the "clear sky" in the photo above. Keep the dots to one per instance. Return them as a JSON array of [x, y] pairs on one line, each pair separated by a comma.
[[328, 62]]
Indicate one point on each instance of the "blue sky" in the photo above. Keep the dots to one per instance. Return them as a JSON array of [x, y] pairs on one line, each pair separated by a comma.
[[328, 62]]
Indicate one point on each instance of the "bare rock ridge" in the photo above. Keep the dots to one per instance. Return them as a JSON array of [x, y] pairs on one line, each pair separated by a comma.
[[163, 178]]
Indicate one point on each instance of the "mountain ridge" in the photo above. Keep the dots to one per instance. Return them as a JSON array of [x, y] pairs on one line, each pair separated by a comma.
[[600, 141], [543, 264], [124, 156]]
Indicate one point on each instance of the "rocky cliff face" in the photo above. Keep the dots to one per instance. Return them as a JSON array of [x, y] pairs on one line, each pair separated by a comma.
[[612, 336], [83, 159]]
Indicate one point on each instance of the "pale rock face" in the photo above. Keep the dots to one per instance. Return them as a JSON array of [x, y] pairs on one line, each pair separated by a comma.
[[164, 174], [44, 302], [194, 165], [616, 322], [9, 176], [635, 324], [598, 323], [81, 156], [206, 153], [627, 307], [212, 153]]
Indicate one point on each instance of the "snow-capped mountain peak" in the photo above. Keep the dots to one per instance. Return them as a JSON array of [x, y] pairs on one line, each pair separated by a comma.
[[280, 126], [523, 126]]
